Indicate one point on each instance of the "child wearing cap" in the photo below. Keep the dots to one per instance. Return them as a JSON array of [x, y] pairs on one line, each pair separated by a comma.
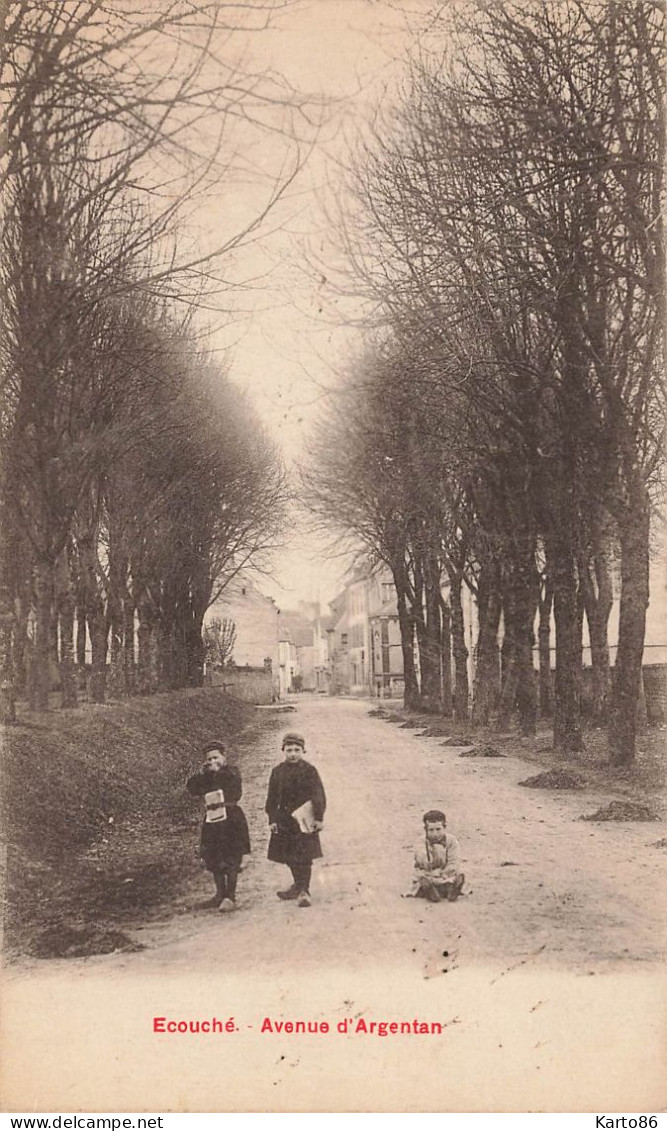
[[295, 807], [224, 832], [437, 874]]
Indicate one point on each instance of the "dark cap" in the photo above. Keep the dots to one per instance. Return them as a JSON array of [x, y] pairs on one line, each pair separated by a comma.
[[213, 745], [293, 739]]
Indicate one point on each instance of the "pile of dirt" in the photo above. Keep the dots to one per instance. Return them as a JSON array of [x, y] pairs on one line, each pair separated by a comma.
[[622, 811], [553, 779], [378, 713], [483, 752], [64, 941], [434, 730], [459, 740]]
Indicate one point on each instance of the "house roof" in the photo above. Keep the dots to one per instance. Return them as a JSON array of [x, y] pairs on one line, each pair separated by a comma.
[[241, 587], [387, 609], [294, 627], [338, 602], [341, 622]]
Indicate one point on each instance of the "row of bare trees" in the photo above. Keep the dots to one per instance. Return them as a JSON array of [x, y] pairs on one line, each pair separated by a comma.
[[135, 479], [504, 430]]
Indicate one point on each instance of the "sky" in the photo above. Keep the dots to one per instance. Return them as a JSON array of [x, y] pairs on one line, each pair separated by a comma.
[[292, 330]]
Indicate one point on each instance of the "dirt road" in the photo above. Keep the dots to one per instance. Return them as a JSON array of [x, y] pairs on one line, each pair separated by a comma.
[[547, 978]]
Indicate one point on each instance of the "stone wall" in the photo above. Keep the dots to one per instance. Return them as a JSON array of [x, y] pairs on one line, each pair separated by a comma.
[[252, 685]]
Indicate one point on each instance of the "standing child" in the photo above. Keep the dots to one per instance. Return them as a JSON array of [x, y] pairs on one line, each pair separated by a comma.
[[438, 872], [224, 832], [295, 807]]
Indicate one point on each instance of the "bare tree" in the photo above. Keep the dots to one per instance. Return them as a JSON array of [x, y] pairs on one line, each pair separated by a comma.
[[513, 213], [219, 641], [117, 121]]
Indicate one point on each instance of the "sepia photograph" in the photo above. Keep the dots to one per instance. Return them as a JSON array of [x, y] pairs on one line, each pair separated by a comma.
[[333, 572]]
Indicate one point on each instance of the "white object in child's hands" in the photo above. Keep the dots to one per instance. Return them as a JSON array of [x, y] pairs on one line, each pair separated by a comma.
[[305, 817], [216, 809]]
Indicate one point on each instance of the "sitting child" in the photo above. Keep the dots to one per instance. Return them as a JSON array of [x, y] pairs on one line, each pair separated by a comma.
[[437, 866]]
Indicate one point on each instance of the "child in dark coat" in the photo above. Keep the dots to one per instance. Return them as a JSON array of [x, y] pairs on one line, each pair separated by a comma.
[[295, 807], [224, 833]]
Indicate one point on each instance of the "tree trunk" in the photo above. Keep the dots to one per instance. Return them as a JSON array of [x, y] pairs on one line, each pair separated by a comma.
[[96, 619], [544, 645], [406, 625], [99, 634], [461, 688], [419, 621], [170, 655], [597, 606], [147, 659], [65, 608], [526, 696], [431, 673], [567, 689], [486, 685], [446, 659], [509, 673], [7, 697], [634, 535], [565, 517], [129, 664], [7, 631], [54, 650], [67, 668], [527, 589], [116, 682], [40, 676], [12, 573], [20, 646], [195, 653], [81, 635]]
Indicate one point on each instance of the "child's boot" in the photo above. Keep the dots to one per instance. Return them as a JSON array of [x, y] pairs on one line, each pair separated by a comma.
[[220, 886], [454, 889], [289, 893], [429, 891]]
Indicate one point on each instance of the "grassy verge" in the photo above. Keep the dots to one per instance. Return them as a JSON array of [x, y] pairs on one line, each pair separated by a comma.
[[98, 826]]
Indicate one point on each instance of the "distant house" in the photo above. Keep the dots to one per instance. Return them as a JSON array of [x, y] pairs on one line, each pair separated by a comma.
[[386, 653], [322, 643], [365, 655], [358, 634], [256, 619], [288, 667], [337, 635], [295, 635]]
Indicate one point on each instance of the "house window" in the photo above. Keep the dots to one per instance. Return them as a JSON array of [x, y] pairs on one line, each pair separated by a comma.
[[343, 640]]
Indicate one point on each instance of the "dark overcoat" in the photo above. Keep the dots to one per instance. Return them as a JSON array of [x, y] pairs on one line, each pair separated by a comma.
[[223, 843], [291, 785]]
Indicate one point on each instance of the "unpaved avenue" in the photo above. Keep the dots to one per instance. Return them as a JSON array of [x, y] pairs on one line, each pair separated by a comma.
[[551, 991]]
